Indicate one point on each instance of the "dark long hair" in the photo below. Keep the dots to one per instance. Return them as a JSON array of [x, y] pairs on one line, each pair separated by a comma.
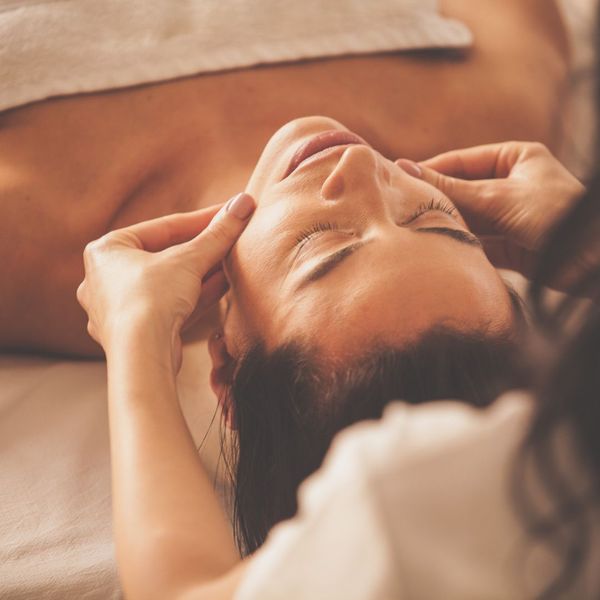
[[288, 405], [287, 408], [567, 387]]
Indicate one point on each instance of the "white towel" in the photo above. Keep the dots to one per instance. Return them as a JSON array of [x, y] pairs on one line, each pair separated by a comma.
[[58, 47]]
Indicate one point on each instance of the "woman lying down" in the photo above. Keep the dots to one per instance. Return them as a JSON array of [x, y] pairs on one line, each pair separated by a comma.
[[393, 264], [353, 283]]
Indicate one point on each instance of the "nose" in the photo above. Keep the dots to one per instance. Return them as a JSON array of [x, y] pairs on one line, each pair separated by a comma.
[[356, 171], [369, 184]]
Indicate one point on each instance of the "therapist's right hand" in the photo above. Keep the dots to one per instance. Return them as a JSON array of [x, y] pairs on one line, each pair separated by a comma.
[[509, 194]]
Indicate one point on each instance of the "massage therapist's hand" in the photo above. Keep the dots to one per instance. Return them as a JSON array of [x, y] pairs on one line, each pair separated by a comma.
[[163, 272], [509, 194]]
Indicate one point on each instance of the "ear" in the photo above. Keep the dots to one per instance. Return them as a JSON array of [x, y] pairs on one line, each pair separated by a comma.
[[221, 375]]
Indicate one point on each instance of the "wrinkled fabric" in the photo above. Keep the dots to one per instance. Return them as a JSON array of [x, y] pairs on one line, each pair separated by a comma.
[[59, 47]]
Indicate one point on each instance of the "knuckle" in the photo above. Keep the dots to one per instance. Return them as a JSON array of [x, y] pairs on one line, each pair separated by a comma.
[[489, 193], [108, 239], [90, 248], [88, 254], [532, 148], [435, 179], [81, 292], [446, 184], [98, 245], [539, 147], [535, 149]]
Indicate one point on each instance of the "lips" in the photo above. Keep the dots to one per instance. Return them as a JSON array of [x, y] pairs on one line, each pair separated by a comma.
[[320, 142]]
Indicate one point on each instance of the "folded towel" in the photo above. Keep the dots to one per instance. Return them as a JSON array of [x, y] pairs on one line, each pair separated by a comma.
[[57, 47]]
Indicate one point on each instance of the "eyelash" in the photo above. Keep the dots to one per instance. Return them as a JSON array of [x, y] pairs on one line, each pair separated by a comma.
[[433, 205], [305, 235], [321, 226]]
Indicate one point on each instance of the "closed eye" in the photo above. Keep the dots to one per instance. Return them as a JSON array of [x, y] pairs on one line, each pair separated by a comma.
[[438, 204], [434, 204], [314, 231]]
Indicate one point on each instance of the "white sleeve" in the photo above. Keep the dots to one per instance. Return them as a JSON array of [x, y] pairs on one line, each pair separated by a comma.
[[423, 486], [335, 547]]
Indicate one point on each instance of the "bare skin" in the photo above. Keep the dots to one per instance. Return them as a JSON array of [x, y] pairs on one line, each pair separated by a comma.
[[73, 168]]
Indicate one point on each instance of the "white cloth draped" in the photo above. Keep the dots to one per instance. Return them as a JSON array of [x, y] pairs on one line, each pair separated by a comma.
[[57, 47]]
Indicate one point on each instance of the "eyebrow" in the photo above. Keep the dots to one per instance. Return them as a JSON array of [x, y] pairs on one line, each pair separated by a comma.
[[336, 258], [456, 234], [331, 262]]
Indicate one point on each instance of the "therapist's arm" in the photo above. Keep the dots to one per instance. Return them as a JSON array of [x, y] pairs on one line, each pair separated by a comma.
[[172, 538], [143, 284]]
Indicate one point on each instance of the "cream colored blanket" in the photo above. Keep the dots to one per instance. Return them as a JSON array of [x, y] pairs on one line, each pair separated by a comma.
[[55, 503], [55, 47]]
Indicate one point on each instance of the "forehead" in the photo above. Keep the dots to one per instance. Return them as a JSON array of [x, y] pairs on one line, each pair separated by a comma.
[[391, 295]]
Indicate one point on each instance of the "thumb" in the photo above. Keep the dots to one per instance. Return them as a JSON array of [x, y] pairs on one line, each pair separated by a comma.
[[463, 193], [213, 244], [475, 200]]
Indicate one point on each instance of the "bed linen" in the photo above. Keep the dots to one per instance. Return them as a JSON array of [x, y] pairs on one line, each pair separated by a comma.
[[55, 503], [56, 47]]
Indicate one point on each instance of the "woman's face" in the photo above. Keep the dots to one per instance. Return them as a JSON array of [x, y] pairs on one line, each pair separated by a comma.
[[348, 249]]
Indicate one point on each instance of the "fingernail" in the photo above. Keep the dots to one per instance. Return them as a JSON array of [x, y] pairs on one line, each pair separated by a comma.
[[241, 206], [410, 167]]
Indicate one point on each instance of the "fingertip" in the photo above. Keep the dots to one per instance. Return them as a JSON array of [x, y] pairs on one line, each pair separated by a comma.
[[213, 289], [241, 206], [410, 167], [215, 242]]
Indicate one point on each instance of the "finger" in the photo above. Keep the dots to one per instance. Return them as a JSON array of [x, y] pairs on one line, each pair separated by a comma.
[[177, 356], [213, 289], [505, 255], [213, 244], [491, 161], [472, 198], [157, 234], [212, 271], [80, 294], [459, 191]]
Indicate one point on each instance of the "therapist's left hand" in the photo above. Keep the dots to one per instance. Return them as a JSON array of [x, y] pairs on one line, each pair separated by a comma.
[[164, 272]]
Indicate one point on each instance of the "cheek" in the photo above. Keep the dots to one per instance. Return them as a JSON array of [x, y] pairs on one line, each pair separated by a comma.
[[257, 183], [268, 169]]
